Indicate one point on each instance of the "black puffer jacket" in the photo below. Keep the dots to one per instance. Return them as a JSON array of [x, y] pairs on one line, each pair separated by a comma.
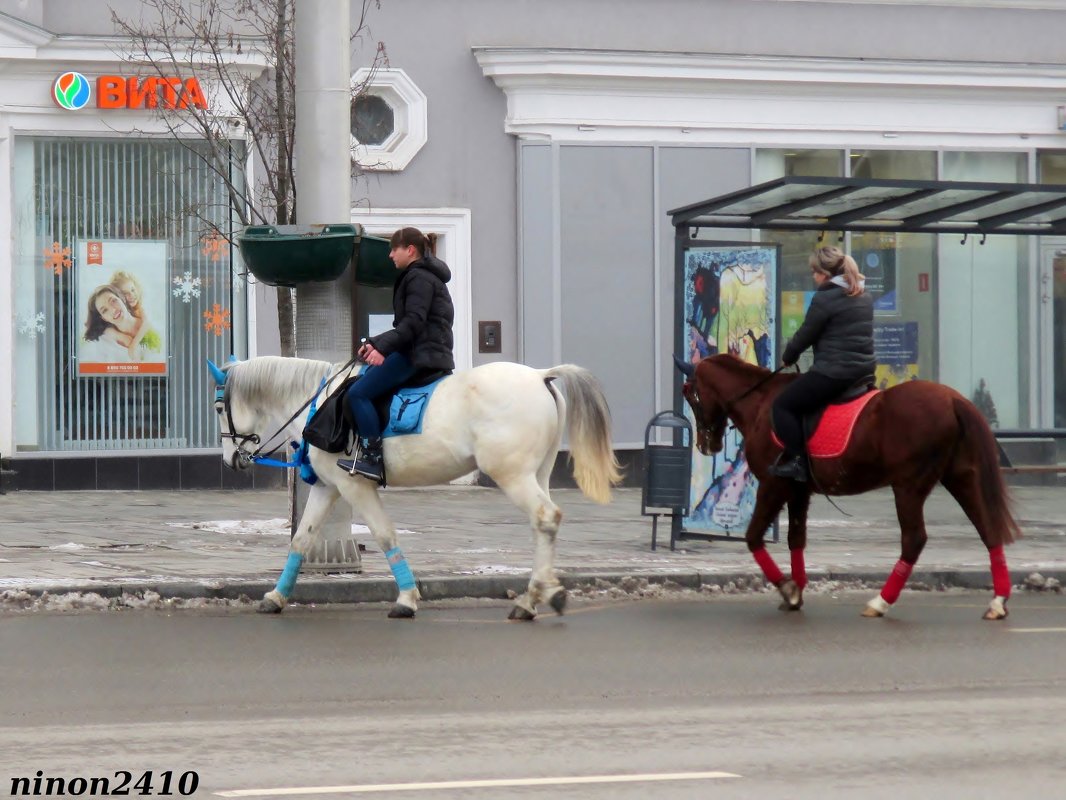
[[423, 316], [841, 328]]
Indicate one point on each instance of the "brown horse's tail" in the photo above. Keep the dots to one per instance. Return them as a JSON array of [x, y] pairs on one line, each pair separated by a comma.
[[978, 438]]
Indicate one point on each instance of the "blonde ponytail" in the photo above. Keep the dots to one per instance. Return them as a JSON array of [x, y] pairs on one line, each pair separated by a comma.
[[832, 261]]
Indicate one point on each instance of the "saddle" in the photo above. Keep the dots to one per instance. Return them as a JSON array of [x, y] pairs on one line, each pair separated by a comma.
[[828, 430], [332, 428]]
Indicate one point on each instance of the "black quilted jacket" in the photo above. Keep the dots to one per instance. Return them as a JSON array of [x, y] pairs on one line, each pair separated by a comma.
[[423, 316], [841, 329]]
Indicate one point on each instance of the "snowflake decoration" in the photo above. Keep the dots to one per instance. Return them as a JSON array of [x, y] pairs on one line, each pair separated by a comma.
[[217, 320], [211, 245], [186, 287], [56, 258], [30, 325]]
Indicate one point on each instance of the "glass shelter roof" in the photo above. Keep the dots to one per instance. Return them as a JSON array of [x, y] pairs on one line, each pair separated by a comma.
[[890, 206]]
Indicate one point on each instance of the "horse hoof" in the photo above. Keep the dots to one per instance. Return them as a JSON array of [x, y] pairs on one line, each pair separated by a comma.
[[872, 612], [401, 612], [558, 602], [997, 609], [268, 606], [792, 596], [521, 614]]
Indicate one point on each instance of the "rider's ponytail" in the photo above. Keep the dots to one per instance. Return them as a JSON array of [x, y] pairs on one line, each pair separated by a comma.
[[832, 261]]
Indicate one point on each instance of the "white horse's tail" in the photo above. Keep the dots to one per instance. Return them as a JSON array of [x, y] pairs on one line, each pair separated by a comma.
[[589, 427]]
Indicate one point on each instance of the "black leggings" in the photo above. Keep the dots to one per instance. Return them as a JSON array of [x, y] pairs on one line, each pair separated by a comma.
[[809, 392]]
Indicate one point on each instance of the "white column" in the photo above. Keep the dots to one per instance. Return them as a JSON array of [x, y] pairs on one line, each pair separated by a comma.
[[323, 180]]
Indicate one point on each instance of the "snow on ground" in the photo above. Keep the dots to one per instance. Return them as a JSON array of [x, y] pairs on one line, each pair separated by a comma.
[[21, 601], [260, 527], [18, 600]]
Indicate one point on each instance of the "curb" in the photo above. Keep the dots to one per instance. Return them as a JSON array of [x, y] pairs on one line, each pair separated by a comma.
[[500, 587]]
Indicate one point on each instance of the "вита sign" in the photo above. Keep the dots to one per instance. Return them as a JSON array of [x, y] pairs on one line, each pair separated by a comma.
[[71, 91]]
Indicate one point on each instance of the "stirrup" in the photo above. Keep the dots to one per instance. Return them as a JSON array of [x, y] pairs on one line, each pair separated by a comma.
[[370, 462], [794, 469], [355, 466]]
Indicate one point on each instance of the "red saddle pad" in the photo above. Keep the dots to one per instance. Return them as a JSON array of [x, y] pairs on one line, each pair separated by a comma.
[[833, 433]]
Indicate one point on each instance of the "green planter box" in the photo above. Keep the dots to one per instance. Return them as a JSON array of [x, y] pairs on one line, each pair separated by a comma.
[[288, 255]]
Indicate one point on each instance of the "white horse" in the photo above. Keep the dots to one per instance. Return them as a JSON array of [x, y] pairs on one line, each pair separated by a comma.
[[504, 419]]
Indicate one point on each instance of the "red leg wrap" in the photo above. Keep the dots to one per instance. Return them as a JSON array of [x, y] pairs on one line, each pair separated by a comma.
[[895, 582], [1000, 574], [769, 568], [799, 568]]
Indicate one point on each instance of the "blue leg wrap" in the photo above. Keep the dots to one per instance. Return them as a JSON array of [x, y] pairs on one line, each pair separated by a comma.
[[401, 570], [287, 581]]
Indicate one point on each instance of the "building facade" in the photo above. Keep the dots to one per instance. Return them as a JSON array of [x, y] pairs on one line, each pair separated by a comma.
[[117, 279], [569, 136], [544, 143]]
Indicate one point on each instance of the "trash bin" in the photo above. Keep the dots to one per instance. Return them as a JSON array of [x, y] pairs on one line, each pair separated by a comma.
[[288, 255], [667, 470]]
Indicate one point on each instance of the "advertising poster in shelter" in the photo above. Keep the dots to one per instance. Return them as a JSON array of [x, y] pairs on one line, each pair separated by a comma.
[[877, 263], [729, 302], [121, 307]]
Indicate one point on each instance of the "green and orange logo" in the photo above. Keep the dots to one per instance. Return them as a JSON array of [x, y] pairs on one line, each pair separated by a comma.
[[71, 91]]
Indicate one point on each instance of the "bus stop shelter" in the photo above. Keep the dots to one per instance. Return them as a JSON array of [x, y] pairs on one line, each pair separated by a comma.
[[886, 206], [861, 205]]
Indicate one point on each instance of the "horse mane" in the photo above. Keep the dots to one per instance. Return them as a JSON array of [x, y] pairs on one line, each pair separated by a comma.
[[274, 380], [735, 364]]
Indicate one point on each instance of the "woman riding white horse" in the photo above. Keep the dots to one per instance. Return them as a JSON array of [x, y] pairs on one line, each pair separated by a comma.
[[504, 419]]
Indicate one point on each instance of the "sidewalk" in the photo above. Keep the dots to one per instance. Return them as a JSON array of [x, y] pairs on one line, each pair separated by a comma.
[[466, 542]]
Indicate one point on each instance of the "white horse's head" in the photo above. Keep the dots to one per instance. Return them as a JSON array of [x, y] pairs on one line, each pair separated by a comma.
[[252, 397], [238, 421]]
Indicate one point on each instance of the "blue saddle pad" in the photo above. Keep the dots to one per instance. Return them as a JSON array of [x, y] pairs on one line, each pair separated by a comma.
[[407, 408]]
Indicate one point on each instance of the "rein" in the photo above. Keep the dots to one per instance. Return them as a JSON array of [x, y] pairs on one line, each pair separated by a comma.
[[729, 404], [756, 385]]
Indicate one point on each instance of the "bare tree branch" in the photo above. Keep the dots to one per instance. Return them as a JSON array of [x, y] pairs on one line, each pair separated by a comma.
[[256, 112]]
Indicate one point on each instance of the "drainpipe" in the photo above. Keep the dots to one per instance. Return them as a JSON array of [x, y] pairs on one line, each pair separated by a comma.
[[323, 178]]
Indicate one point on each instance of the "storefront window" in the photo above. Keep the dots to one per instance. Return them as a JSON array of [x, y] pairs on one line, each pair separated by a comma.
[[123, 288], [985, 302], [1051, 168]]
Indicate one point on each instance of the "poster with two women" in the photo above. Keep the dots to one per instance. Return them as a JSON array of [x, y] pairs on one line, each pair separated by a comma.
[[121, 307]]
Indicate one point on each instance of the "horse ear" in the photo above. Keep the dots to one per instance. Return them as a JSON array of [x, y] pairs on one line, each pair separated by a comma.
[[686, 369], [216, 373], [232, 359]]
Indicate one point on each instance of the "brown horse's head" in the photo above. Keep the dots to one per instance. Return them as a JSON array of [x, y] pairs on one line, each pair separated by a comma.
[[707, 406]]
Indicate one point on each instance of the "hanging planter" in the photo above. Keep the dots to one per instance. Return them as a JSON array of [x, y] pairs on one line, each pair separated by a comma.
[[288, 255]]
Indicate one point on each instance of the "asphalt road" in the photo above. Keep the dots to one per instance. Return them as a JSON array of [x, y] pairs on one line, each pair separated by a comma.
[[928, 702]]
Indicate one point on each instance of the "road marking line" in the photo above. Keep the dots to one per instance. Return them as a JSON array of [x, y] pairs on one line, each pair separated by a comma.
[[505, 782], [1037, 630]]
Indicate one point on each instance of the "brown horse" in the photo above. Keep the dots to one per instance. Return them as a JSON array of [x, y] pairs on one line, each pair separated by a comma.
[[909, 437]]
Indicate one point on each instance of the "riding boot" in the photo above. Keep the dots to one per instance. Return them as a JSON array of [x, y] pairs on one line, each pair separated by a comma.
[[793, 468], [370, 462]]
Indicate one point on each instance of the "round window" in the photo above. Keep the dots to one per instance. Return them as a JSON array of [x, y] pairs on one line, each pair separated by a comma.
[[372, 120]]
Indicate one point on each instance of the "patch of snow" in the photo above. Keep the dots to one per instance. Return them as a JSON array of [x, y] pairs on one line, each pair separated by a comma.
[[68, 546], [494, 569], [22, 601], [260, 527]]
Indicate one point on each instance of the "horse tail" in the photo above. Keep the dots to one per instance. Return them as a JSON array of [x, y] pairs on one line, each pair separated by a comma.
[[588, 422], [977, 436]]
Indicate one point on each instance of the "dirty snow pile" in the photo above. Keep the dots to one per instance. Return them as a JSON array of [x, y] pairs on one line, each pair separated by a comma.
[[1038, 583], [18, 600]]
